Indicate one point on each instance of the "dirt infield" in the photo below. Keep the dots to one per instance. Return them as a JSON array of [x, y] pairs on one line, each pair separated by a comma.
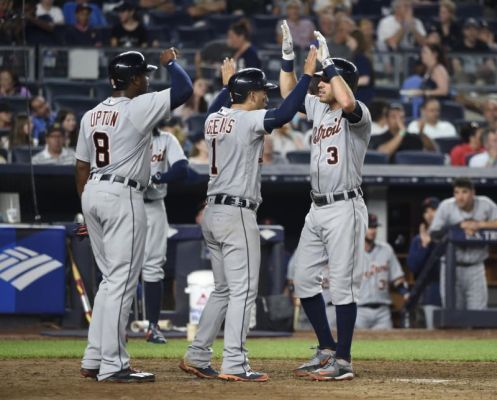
[[59, 379]]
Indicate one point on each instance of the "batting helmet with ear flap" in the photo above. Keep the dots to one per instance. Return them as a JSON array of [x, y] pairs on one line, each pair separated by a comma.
[[248, 80], [125, 66], [347, 70]]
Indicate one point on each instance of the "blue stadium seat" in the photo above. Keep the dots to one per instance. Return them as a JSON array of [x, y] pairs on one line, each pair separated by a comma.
[[21, 155], [161, 34], [195, 123], [470, 9], [17, 103], [419, 158], [189, 36], [375, 157], [265, 22], [160, 18], [386, 92], [425, 11], [371, 7], [220, 23], [78, 104], [299, 157], [67, 88], [445, 145], [450, 110]]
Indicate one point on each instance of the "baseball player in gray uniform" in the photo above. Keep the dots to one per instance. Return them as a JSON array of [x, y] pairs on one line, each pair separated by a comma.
[[471, 213], [235, 137], [335, 227], [112, 171], [381, 269], [168, 164]]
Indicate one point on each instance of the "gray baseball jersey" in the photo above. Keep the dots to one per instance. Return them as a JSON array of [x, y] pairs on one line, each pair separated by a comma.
[[235, 139], [115, 135], [381, 268], [448, 214], [337, 152]]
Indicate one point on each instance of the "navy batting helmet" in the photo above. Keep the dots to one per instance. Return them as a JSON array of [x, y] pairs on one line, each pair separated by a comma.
[[125, 66], [248, 80], [347, 70]]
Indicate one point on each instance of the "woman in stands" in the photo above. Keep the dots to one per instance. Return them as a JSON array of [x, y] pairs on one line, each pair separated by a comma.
[[436, 80], [239, 40], [448, 29], [129, 32], [22, 129], [197, 103], [67, 120], [10, 86]]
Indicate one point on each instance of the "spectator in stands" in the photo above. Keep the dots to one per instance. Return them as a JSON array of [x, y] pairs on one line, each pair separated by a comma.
[[42, 117], [471, 144], [419, 251], [238, 39], [197, 103], [332, 7], [200, 152], [397, 138], [286, 139], [128, 32], [470, 42], [365, 85], [97, 18], [10, 24], [39, 29], [23, 128], [46, 7], [55, 152], [378, 109], [400, 31], [198, 9], [269, 156], [430, 123], [366, 26], [490, 112], [341, 43], [487, 36], [5, 124], [436, 80], [10, 85], [433, 36], [81, 34], [447, 27], [302, 29], [67, 121], [488, 158]]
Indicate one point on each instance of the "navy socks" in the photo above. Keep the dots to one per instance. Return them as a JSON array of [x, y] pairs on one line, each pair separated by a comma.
[[346, 316], [153, 300], [315, 310]]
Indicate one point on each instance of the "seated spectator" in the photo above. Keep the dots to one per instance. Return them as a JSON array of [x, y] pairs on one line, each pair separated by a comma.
[[447, 27], [378, 110], [129, 32], [433, 36], [269, 156], [332, 7], [487, 36], [489, 109], [55, 152], [10, 85], [198, 9], [400, 30], [488, 158], [366, 26], [365, 85], [10, 24], [97, 18], [200, 152], [397, 138], [67, 121], [285, 139], [239, 40], [5, 124], [326, 23], [80, 33], [341, 43], [196, 103], [419, 251], [46, 7], [42, 117], [23, 129], [471, 137], [39, 29], [302, 29], [430, 123], [470, 43]]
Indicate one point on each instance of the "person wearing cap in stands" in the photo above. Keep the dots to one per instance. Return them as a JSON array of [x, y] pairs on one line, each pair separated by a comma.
[[419, 251], [97, 18], [55, 152], [470, 42], [81, 33], [382, 268]]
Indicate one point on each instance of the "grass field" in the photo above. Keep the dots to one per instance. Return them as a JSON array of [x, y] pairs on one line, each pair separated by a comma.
[[276, 349]]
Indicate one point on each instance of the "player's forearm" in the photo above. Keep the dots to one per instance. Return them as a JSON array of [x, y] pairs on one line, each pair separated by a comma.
[[288, 79], [177, 172], [181, 84], [222, 99], [487, 224], [82, 174], [342, 92]]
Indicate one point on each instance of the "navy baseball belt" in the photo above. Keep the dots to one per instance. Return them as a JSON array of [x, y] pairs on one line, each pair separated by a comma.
[[329, 198], [232, 201], [119, 179]]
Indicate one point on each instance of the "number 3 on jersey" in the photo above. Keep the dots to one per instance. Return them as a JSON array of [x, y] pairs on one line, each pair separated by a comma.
[[102, 155], [332, 155]]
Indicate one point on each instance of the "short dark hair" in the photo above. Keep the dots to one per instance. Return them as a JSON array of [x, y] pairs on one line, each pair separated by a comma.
[[469, 129], [463, 182], [241, 28]]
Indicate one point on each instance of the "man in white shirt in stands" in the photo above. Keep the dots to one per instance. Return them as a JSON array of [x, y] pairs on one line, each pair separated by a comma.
[[55, 152], [400, 30], [46, 7], [430, 123], [489, 157]]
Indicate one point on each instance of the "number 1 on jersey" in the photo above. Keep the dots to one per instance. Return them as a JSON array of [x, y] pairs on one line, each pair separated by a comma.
[[213, 164]]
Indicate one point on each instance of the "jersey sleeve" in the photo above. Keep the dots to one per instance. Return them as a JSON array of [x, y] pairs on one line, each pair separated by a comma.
[[492, 214], [396, 271], [256, 122], [82, 150], [174, 152], [311, 104], [148, 109]]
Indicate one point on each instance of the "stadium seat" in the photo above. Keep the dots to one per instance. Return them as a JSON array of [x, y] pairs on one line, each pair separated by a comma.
[[21, 155], [375, 157], [265, 22], [160, 18], [370, 7], [68, 88], [78, 104], [445, 145], [5, 154], [196, 123], [299, 157], [220, 23], [450, 110], [425, 11], [161, 34], [470, 9], [189, 36], [17, 103], [419, 158], [386, 92]]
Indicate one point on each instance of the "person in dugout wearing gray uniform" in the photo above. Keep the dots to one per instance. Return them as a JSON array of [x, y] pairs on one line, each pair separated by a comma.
[[471, 213]]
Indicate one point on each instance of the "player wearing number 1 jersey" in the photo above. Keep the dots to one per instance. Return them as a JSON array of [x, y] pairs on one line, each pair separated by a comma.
[[112, 171], [335, 227]]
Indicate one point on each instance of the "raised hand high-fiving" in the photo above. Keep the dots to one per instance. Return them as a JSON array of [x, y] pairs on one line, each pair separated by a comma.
[[287, 42]]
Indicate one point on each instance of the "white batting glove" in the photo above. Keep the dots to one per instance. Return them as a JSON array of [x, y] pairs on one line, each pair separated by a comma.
[[287, 43], [323, 52]]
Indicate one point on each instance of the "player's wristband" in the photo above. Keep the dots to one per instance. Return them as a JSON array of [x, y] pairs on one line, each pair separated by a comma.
[[329, 68], [402, 289], [287, 65]]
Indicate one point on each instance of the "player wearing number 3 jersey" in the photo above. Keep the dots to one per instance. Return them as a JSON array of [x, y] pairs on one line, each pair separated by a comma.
[[112, 170], [335, 227]]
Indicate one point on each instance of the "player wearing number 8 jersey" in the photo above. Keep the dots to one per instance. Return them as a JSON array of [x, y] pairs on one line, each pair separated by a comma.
[[334, 229], [235, 136], [112, 170]]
